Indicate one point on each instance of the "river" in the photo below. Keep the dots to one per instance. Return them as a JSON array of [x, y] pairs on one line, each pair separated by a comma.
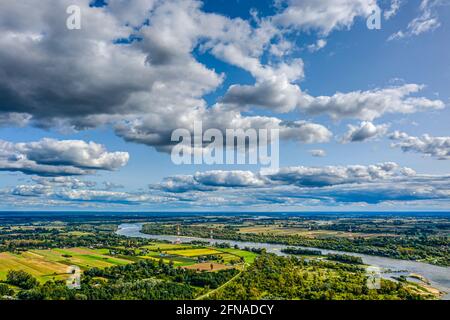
[[439, 277]]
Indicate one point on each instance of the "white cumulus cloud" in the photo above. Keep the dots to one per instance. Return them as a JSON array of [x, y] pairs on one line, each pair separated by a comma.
[[50, 157], [437, 147], [365, 131]]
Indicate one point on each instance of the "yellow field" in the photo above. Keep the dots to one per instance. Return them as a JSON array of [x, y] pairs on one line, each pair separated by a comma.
[[167, 246], [35, 265], [53, 263]]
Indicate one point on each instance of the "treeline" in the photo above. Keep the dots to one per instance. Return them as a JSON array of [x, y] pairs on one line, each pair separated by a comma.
[[345, 258], [299, 251], [146, 289]]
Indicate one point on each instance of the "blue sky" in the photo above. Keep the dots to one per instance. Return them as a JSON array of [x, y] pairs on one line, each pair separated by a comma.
[[385, 90]]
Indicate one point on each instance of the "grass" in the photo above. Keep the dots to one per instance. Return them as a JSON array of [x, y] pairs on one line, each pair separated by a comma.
[[248, 256], [176, 262], [88, 258], [194, 252]]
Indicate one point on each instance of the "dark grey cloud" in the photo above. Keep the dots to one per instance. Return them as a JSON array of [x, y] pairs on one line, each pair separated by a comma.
[[274, 95], [157, 131], [81, 78], [146, 89], [14, 119]]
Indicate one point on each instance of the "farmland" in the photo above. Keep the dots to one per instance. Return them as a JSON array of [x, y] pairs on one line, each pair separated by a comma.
[[53, 264], [193, 255]]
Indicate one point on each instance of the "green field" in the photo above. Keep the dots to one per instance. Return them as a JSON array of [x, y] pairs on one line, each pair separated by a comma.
[[248, 256], [176, 260], [194, 252], [53, 263], [167, 246]]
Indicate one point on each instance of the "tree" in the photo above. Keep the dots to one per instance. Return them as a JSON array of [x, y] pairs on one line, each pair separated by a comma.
[[21, 279], [5, 290]]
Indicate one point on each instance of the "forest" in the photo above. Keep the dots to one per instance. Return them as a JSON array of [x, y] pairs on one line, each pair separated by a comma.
[[274, 277]]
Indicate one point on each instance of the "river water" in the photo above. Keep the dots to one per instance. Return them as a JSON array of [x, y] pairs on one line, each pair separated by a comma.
[[439, 277]]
